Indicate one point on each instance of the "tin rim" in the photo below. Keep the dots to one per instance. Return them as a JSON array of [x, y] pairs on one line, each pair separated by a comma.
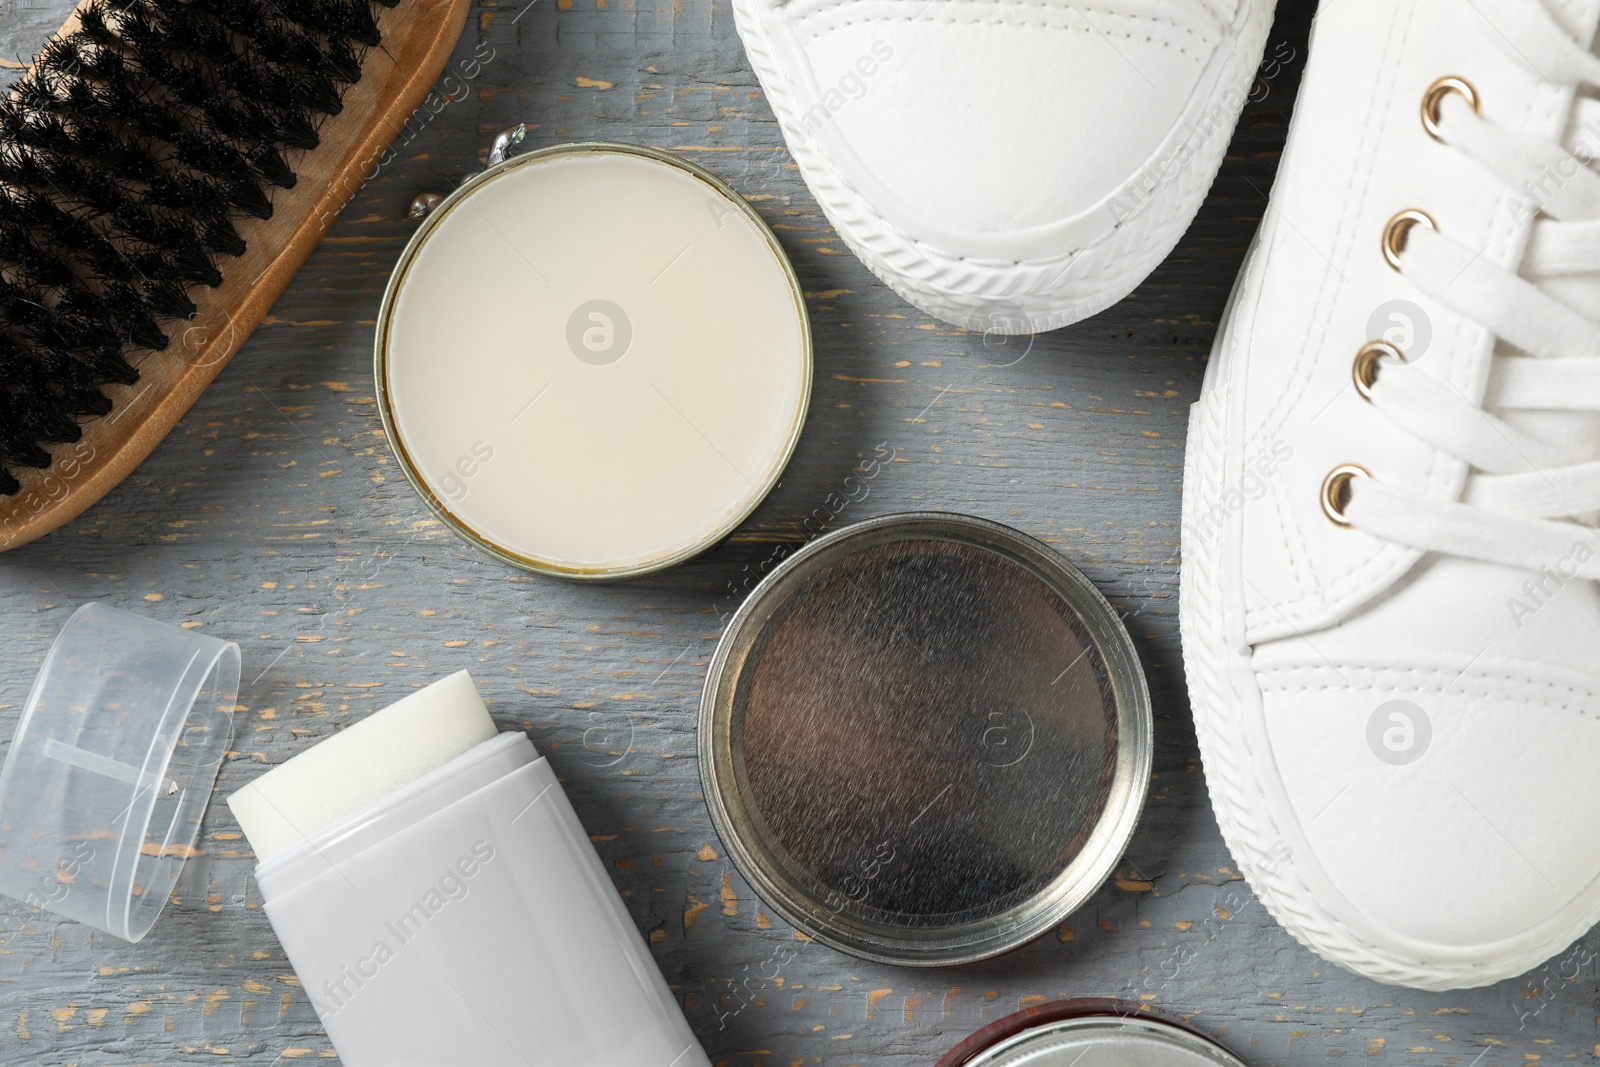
[[397, 444], [1037, 914], [1059, 1015]]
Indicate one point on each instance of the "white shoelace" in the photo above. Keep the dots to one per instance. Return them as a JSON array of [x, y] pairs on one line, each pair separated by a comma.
[[1523, 494]]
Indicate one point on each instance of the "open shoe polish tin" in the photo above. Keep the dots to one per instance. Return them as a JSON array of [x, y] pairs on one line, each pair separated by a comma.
[[925, 739], [593, 361], [1089, 1033]]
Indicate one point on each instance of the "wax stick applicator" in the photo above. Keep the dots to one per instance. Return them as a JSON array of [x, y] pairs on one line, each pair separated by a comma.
[[353, 768], [441, 903]]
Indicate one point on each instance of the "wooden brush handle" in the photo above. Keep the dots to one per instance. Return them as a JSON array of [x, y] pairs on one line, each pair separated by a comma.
[[418, 37]]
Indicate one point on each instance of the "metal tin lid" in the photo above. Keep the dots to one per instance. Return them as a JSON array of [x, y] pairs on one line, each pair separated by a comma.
[[1089, 1033], [593, 361], [925, 739]]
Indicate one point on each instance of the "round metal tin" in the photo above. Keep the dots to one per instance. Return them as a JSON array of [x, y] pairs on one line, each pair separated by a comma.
[[722, 210], [1089, 1033], [925, 739]]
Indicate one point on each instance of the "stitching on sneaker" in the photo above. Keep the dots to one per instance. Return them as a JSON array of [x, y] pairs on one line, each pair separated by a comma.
[[1541, 109], [1263, 612], [1295, 540], [929, 251], [1372, 131], [1418, 674], [1210, 42], [1082, 10], [952, 20]]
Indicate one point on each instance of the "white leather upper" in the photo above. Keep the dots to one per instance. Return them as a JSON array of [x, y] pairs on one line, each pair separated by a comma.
[[1449, 855], [1451, 866], [1368, 158], [998, 116]]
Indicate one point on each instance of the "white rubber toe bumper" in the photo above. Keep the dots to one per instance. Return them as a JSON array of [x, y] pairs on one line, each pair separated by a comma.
[[1007, 166]]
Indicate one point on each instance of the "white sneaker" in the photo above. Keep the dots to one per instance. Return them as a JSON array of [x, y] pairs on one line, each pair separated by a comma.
[[1389, 612], [1007, 165]]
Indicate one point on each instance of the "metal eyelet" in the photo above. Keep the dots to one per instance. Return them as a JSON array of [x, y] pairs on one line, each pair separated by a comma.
[[1435, 96], [1365, 368], [1394, 233], [1336, 491]]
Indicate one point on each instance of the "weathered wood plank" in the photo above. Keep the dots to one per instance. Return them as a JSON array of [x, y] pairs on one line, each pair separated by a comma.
[[275, 516]]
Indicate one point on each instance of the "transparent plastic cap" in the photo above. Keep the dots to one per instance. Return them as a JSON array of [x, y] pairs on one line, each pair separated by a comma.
[[111, 768]]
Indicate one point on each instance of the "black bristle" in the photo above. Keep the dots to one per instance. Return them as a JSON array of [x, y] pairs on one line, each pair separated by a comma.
[[168, 299], [127, 154], [21, 447], [224, 237], [271, 165], [92, 27], [131, 315], [112, 366]]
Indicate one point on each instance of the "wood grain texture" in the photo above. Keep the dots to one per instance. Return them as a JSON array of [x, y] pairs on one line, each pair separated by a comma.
[[275, 515], [419, 37]]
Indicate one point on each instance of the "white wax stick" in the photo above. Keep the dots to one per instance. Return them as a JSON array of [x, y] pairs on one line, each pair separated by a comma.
[[357, 766]]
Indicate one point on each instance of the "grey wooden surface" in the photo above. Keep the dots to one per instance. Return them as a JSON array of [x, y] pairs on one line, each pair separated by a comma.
[[276, 517]]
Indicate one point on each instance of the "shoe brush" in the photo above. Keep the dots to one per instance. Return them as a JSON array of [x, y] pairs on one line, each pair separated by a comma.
[[166, 166]]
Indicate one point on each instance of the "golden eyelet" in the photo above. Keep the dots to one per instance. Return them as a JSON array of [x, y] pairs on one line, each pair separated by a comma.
[[1435, 96], [1336, 491], [1394, 234], [1365, 368]]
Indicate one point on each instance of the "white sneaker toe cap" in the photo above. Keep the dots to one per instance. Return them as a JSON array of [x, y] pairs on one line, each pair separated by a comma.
[[1025, 114], [1446, 823], [1007, 165]]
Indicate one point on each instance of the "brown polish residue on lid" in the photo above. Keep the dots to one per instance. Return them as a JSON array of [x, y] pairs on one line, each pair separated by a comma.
[[941, 702], [922, 746]]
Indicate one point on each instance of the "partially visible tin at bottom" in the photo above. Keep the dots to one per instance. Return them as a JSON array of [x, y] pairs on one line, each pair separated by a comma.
[[1089, 1033], [925, 739]]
